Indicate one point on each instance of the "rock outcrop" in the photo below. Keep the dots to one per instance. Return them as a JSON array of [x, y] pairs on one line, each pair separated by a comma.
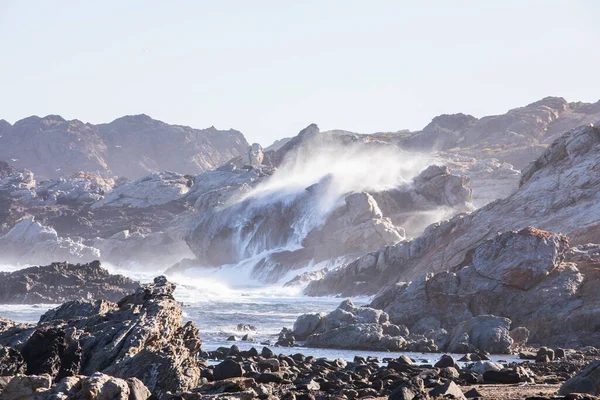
[[61, 282], [30, 242], [587, 381], [528, 276], [139, 338], [517, 137], [131, 146], [559, 193], [152, 190]]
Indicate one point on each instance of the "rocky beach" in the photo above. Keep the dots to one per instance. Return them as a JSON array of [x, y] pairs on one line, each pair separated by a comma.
[[458, 261]]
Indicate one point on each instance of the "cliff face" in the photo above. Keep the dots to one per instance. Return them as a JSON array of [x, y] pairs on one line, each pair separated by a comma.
[[559, 192], [131, 146]]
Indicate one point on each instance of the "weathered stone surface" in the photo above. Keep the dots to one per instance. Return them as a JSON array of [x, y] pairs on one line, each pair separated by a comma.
[[571, 209], [152, 190], [588, 381], [11, 362], [96, 386], [142, 336], [61, 282], [131, 146], [451, 299]]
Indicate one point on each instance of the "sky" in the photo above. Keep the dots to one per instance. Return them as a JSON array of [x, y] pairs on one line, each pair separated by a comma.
[[268, 68]]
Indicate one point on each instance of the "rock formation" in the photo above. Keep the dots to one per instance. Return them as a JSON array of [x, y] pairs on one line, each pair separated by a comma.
[[558, 192], [243, 214], [139, 338], [131, 146], [61, 282]]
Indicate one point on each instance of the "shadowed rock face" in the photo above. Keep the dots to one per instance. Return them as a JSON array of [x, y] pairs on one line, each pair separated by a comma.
[[60, 282], [131, 146], [141, 336]]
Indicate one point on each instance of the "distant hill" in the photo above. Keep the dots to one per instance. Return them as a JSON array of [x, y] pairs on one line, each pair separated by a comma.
[[131, 146]]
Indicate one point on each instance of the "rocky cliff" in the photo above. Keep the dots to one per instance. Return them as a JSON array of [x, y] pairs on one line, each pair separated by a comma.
[[131, 146], [558, 192], [331, 197]]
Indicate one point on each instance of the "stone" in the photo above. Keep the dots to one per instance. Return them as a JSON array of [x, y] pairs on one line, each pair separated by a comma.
[[587, 381], [306, 324], [448, 390], [140, 337], [228, 369], [11, 362]]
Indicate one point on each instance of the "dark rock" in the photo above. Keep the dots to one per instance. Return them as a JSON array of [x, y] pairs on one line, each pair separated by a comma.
[[231, 339], [62, 282], [505, 376], [446, 361], [544, 354], [587, 381], [414, 389], [11, 362], [267, 353], [447, 390], [228, 369], [286, 338], [271, 364], [473, 393]]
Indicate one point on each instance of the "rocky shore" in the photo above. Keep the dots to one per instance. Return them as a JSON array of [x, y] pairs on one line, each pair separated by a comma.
[[139, 348], [60, 282]]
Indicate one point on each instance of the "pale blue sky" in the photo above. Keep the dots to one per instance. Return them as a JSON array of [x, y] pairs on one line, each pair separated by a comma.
[[269, 68]]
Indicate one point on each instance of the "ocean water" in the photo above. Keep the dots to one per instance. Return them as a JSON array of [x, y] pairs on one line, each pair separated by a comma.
[[217, 308]]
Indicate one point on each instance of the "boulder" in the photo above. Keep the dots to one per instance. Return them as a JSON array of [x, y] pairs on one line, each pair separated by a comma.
[[484, 332], [587, 381], [228, 369], [306, 324]]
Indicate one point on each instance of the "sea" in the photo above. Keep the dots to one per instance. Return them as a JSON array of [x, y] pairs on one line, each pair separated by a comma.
[[217, 308]]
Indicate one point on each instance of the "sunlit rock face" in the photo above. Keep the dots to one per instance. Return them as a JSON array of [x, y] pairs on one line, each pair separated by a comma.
[[559, 192], [332, 197], [131, 146]]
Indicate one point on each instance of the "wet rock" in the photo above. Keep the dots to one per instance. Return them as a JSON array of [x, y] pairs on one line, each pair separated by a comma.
[[286, 338]]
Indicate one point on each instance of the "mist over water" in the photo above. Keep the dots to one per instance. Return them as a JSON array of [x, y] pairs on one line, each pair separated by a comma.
[[311, 183], [276, 215]]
